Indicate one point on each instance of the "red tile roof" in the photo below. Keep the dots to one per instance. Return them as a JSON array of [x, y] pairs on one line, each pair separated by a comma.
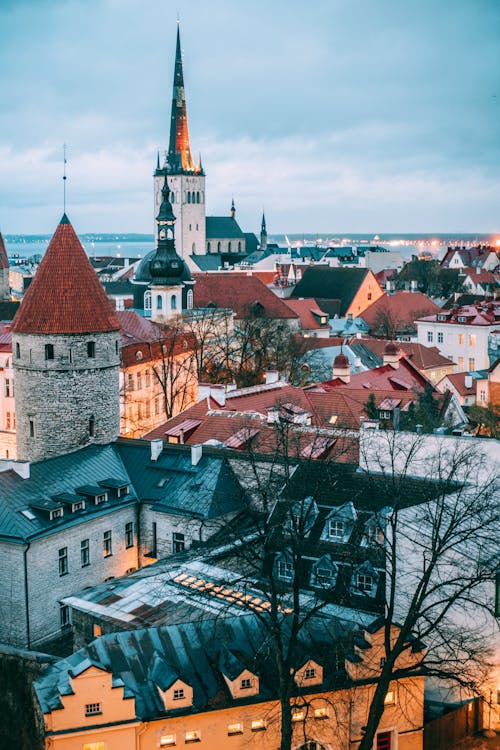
[[423, 357], [480, 314], [401, 308], [406, 377], [65, 295], [239, 292], [457, 379], [4, 261], [308, 311]]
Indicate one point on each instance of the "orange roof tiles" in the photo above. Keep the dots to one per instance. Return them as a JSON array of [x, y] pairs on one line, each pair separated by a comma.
[[239, 292], [65, 295], [400, 309]]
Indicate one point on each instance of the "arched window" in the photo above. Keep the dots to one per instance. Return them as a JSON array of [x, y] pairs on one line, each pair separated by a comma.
[[229, 247], [173, 302], [239, 247], [208, 250], [193, 248], [18, 351], [147, 304], [218, 247], [159, 302], [92, 426], [189, 197], [189, 299], [172, 197], [197, 196]]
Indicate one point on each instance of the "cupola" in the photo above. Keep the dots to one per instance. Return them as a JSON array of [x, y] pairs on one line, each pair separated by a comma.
[[341, 367]]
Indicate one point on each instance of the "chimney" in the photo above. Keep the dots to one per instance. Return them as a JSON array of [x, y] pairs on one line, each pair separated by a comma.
[[468, 382], [271, 376], [357, 364], [22, 468], [218, 393], [156, 448], [391, 355], [349, 317], [196, 453]]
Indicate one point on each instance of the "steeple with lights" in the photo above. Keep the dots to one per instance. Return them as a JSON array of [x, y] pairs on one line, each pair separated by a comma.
[[186, 179]]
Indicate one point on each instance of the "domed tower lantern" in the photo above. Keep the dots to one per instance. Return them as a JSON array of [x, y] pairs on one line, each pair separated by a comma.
[[167, 269]]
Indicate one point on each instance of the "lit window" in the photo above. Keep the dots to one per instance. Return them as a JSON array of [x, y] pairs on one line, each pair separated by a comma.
[[472, 364], [63, 561], [298, 714], [107, 544], [193, 736], [309, 673], [460, 364], [167, 740], [321, 713], [178, 694], [235, 728], [336, 529], [258, 725], [364, 583], [96, 630], [245, 683], [94, 746], [390, 698], [91, 709], [461, 339], [472, 339]]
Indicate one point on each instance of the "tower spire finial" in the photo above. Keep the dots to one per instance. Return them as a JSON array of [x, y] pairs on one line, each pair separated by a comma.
[[179, 149], [65, 161]]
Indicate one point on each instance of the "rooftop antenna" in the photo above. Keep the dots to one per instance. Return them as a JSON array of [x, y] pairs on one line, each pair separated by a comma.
[[65, 161]]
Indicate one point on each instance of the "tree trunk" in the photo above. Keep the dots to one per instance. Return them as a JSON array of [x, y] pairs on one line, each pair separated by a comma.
[[286, 724]]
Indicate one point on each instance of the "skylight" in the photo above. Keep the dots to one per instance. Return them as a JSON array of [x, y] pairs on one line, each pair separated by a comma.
[[28, 514]]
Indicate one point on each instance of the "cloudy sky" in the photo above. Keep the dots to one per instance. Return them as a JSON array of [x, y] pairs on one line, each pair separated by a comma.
[[335, 115]]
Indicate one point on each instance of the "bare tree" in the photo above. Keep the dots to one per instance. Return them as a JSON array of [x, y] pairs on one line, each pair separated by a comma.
[[174, 367]]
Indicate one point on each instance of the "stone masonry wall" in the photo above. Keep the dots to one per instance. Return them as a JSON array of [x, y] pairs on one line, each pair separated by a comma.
[[61, 395], [12, 595]]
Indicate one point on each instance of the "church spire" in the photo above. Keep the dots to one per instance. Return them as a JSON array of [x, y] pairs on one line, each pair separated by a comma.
[[263, 233], [179, 151]]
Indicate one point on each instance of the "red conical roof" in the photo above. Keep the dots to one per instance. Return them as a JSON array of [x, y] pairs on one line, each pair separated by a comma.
[[65, 295], [4, 261]]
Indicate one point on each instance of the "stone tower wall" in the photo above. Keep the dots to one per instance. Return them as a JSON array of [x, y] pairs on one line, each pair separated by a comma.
[[61, 395], [190, 227], [4, 283]]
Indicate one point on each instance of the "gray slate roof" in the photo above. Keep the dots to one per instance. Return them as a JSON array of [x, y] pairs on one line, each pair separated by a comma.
[[223, 227]]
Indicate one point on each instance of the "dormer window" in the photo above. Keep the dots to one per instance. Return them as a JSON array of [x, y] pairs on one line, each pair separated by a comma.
[[178, 694], [309, 673], [364, 583], [462, 319], [441, 318], [101, 498], [246, 683], [57, 513], [336, 529]]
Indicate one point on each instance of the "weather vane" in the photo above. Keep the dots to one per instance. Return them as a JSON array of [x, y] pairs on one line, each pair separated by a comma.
[[65, 161]]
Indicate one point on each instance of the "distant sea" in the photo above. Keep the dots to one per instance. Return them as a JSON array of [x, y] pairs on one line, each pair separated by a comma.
[[23, 247]]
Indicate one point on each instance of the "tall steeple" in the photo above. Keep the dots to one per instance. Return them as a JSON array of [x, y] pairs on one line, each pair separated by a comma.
[[263, 233], [179, 157]]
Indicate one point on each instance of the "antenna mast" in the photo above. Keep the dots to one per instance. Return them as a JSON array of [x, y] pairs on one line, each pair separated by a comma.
[[64, 176]]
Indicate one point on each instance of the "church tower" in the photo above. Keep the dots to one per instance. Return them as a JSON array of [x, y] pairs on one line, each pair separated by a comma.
[[186, 179], [169, 273], [4, 272], [263, 234], [65, 350]]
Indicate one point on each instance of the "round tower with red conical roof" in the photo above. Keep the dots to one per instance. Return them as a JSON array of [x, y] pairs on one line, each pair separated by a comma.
[[65, 350]]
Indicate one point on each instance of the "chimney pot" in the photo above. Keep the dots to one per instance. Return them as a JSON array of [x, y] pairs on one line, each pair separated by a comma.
[[156, 448], [196, 454]]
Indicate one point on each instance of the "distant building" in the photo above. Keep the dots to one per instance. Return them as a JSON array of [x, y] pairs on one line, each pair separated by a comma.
[[339, 291], [4, 272]]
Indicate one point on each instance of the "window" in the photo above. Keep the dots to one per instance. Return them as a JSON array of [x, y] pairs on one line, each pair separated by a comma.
[[440, 338], [364, 583], [189, 299], [139, 378], [472, 339], [129, 534], [461, 339], [385, 414], [178, 542], [285, 570], [147, 379], [369, 295], [321, 713], [208, 247], [229, 247], [57, 513], [390, 698], [258, 725], [309, 673], [384, 741], [430, 337], [336, 529], [18, 351], [325, 575], [235, 728], [193, 736], [96, 630], [85, 552], [197, 201], [92, 427], [167, 740], [154, 550], [90, 349], [218, 247], [107, 544], [116, 346], [7, 420], [32, 428], [63, 561], [298, 714], [92, 709], [159, 301], [460, 364], [64, 619], [178, 694], [49, 351], [7, 388], [245, 683], [147, 304], [472, 364], [157, 406], [173, 302]]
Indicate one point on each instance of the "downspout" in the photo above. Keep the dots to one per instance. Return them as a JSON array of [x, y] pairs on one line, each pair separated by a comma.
[[138, 527], [139, 735], [26, 594]]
